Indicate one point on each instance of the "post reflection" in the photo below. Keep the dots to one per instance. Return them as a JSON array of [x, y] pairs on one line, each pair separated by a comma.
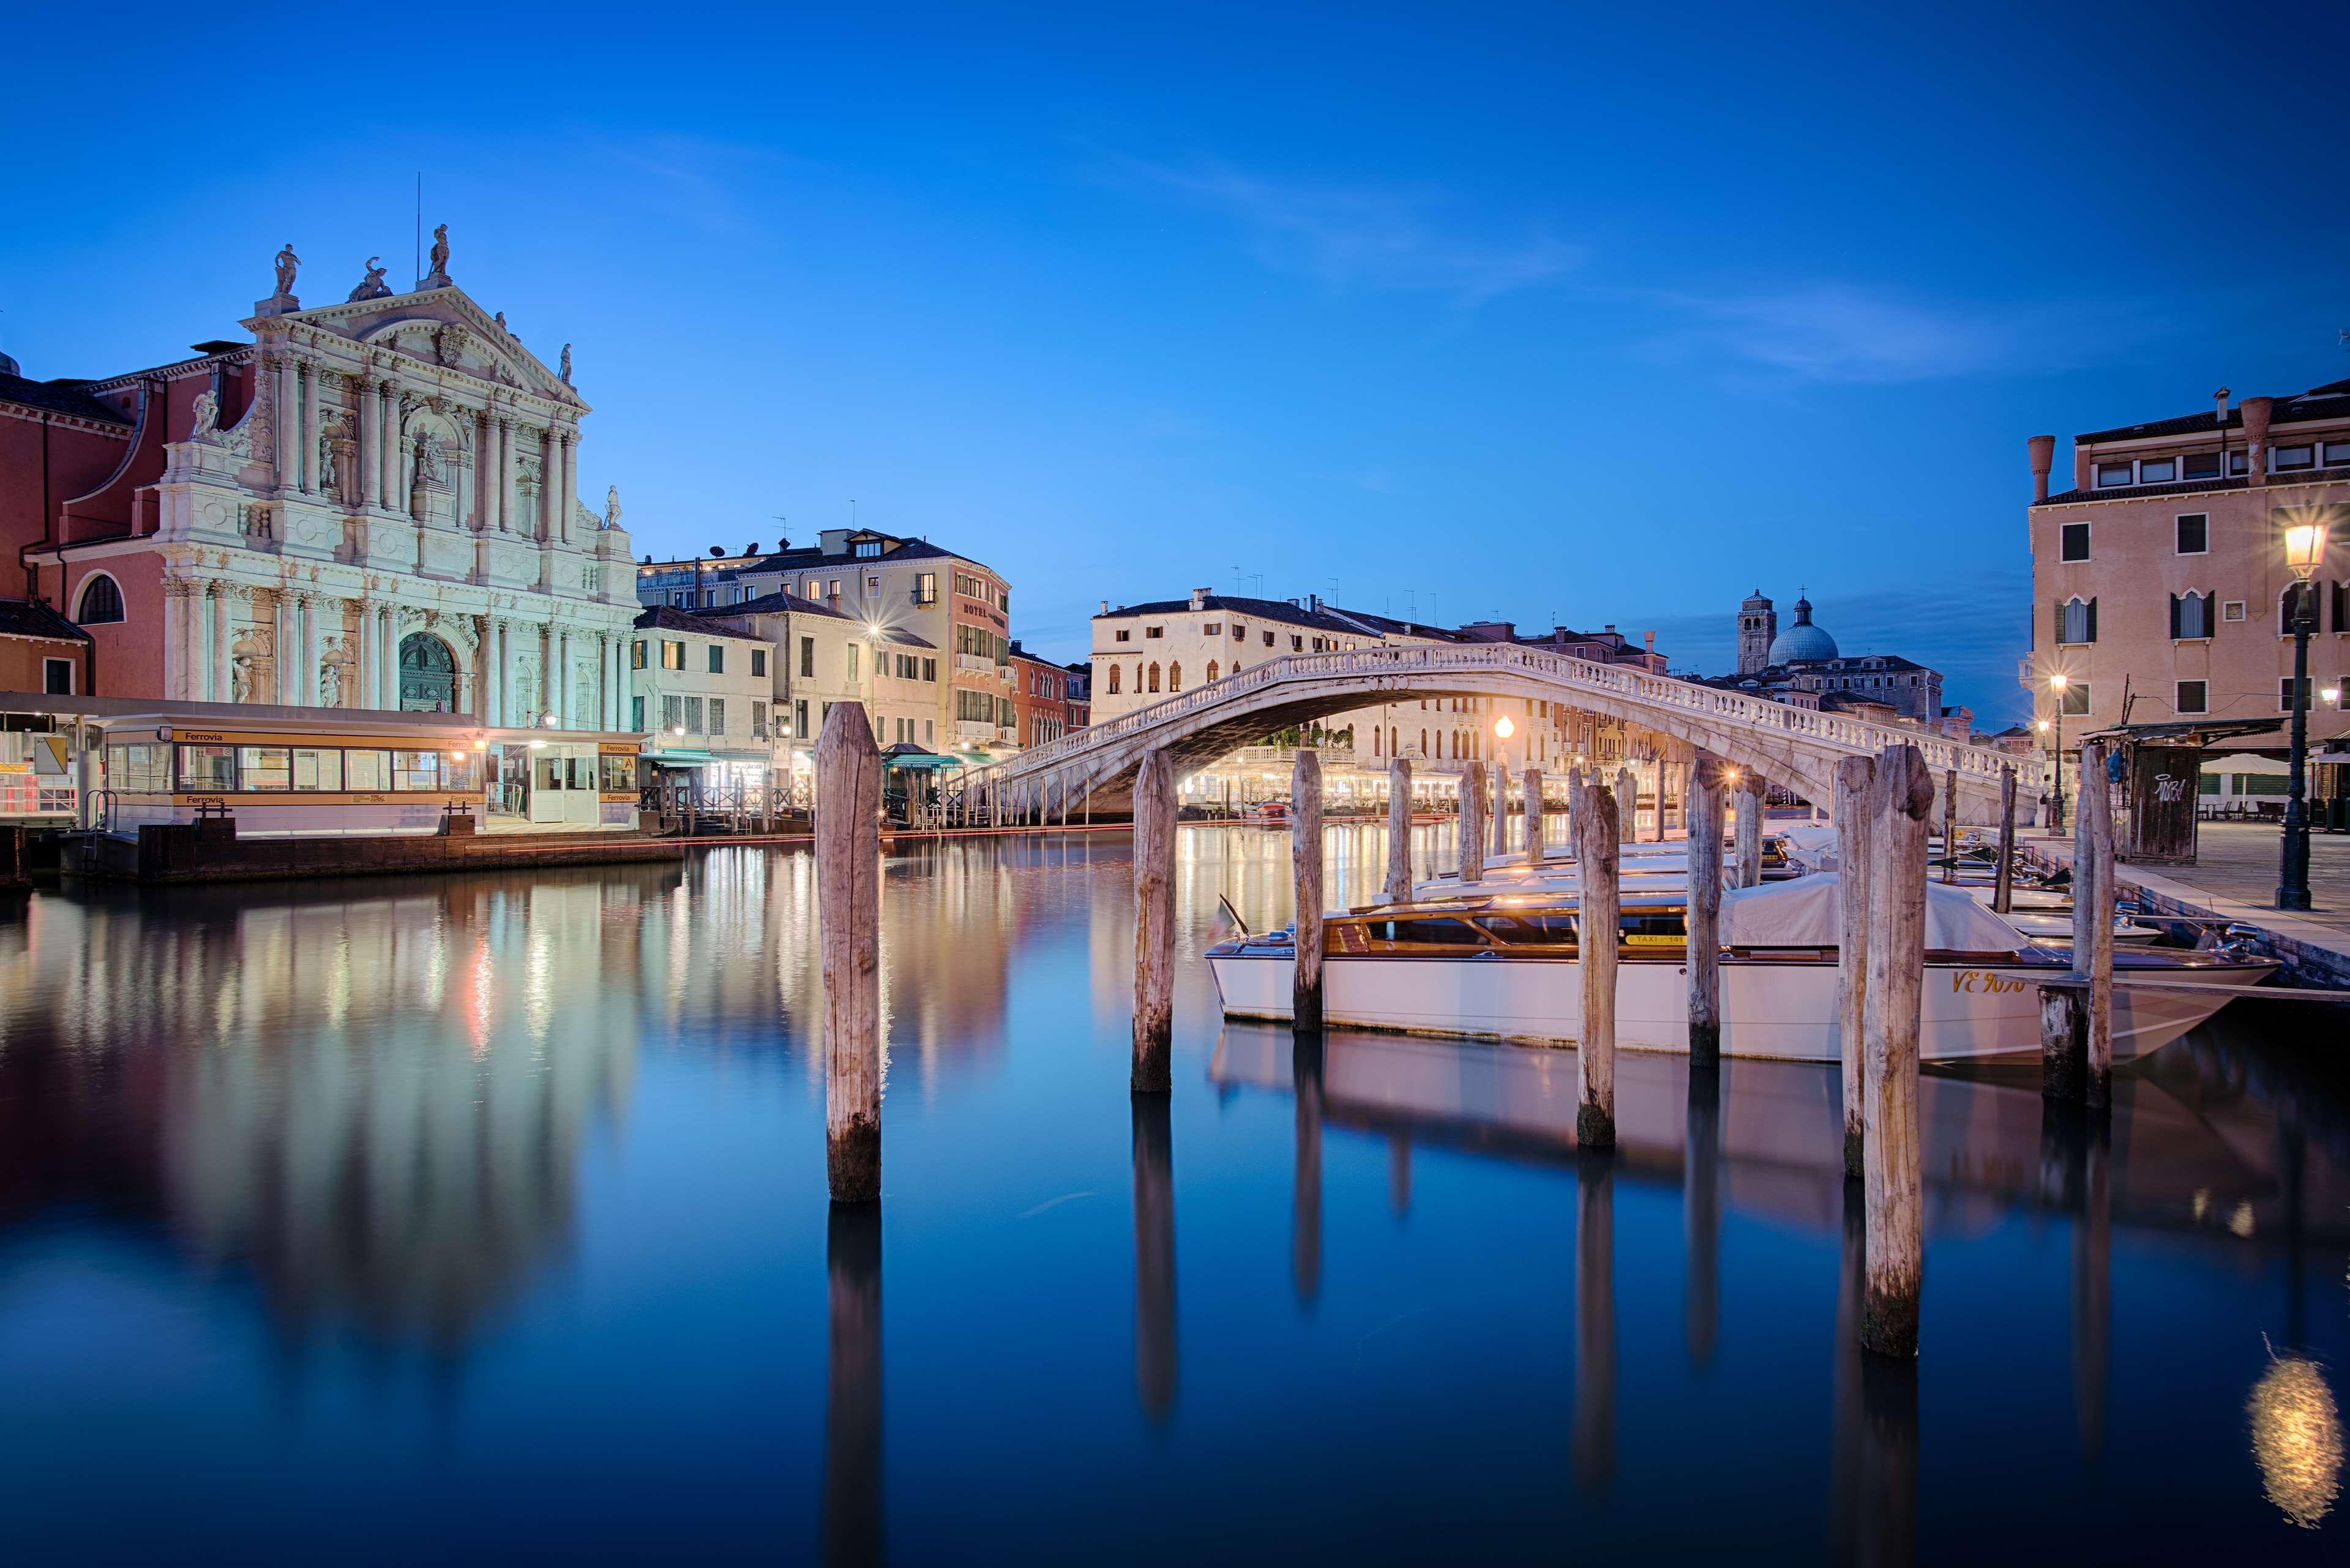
[[1398, 1174], [852, 1405], [1305, 1192], [1154, 1256], [1702, 1213], [1594, 1442], [1873, 1447]]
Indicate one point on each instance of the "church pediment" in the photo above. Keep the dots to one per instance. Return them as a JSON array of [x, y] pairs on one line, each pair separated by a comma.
[[444, 328]]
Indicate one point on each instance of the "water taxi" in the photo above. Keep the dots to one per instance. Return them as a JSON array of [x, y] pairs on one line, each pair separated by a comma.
[[1503, 966]]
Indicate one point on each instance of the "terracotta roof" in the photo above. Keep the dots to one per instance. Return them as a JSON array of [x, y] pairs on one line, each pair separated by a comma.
[[62, 397], [662, 617], [2331, 401], [792, 604], [21, 618], [1328, 617]]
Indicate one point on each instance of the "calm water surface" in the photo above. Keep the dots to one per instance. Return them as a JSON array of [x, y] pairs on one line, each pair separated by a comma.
[[479, 1216]]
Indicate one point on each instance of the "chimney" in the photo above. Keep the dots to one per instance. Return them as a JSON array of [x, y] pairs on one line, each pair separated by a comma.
[[2256, 438], [2220, 398], [1105, 607], [1609, 627], [1650, 637], [1198, 599], [2043, 456]]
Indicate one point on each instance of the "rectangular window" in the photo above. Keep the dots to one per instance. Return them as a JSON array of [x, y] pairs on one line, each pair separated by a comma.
[[1296, 645], [673, 655], [2110, 474], [758, 661], [1268, 639], [807, 658], [832, 588], [2200, 465], [693, 716], [2233, 610], [207, 767], [2337, 453], [2158, 471], [415, 770], [799, 719], [868, 548], [1214, 628], [2287, 458], [853, 649], [718, 716], [265, 767], [2194, 533], [1240, 632], [2191, 616], [926, 589], [672, 713], [2077, 700], [2075, 543], [930, 669], [636, 713], [2286, 691], [758, 721], [1154, 631], [57, 676], [2193, 697], [636, 654], [717, 659], [367, 770], [929, 732], [617, 770], [2238, 462]]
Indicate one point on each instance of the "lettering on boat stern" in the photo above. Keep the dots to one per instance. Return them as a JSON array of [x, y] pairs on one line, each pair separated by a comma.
[[1983, 982]]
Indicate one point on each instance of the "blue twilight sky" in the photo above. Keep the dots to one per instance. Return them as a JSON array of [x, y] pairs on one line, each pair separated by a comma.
[[1599, 316]]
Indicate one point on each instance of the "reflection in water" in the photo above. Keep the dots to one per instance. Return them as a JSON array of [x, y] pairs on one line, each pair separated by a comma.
[[1398, 1174], [2297, 1438], [1702, 1212], [1154, 1255], [1595, 1319], [1305, 1192], [1873, 1479], [852, 1405]]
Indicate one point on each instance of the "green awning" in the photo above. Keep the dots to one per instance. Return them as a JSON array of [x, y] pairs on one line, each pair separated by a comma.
[[921, 761]]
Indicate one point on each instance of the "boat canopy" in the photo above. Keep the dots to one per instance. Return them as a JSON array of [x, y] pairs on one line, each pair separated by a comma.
[[1809, 911]]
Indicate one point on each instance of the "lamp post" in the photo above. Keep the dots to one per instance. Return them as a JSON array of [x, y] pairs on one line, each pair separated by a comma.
[[2305, 549], [2057, 685], [2041, 725], [1503, 729]]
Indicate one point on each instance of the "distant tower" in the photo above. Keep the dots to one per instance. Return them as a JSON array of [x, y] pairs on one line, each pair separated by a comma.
[[1758, 626]]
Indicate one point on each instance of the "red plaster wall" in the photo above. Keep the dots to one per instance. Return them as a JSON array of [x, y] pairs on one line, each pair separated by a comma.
[[21, 660], [130, 651], [78, 461], [107, 508]]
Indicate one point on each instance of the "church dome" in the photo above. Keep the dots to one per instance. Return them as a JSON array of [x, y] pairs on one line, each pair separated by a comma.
[[1803, 643]]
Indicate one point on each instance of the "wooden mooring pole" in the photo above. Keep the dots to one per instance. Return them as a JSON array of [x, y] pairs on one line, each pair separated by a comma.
[[1951, 825], [1154, 922], [1500, 808], [1306, 860], [1901, 803], [1472, 822], [2003, 888], [1597, 857], [1752, 787], [2076, 1018], [1856, 777], [1704, 919], [1535, 822], [848, 941], [1399, 884], [1627, 805]]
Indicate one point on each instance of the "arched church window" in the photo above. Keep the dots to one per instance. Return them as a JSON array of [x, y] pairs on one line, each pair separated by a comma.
[[1175, 676], [101, 602], [1154, 676]]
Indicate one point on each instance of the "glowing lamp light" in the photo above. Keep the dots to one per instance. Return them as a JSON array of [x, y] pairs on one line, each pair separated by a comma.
[[1504, 728], [675, 729], [2058, 682], [2305, 549], [2333, 695], [538, 745], [547, 720], [2043, 726]]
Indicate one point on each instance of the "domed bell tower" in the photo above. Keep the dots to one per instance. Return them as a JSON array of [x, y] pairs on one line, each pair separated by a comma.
[[1758, 626]]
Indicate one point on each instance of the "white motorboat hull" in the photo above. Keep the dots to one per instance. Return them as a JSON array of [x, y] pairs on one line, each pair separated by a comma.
[[1771, 1007]]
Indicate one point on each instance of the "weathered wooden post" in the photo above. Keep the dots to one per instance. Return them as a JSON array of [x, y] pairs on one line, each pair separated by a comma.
[[1306, 861], [849, 937], [1154, 922], [2093, 918], [1627, 804], [1500, 808], [1597, 857], [1901, 801], [2002, 891], [1704, 919], [1154, 1256], [1472, 822], [1951, 825], [1750, 788], [1854, 778], [1534, 825], [1399, 884]]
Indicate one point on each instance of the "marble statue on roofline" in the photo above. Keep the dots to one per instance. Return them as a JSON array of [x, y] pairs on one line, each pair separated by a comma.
[[612, 507], [287, 264], [372, 286], [439, 277]]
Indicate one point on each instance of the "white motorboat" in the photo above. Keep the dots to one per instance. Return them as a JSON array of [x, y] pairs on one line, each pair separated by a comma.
[[1503, 966]]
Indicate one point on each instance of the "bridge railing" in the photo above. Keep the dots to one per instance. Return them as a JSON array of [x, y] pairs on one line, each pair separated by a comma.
[[1981, 763]]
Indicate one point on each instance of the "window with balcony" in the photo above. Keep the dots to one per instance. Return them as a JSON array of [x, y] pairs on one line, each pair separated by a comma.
[[2074, 542], [2194, 535], [2194, 697], [2191, 616]]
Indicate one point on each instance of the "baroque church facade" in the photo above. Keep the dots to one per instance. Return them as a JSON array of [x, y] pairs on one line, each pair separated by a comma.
[[369, 505]]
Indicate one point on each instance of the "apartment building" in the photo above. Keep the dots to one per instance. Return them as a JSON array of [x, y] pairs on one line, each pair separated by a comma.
[[701, 689], [2160, 590], [1040, 698], [823, 658]]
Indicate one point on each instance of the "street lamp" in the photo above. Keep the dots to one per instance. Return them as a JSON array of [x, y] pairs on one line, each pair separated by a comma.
[[2304, 549], [2057, 685]]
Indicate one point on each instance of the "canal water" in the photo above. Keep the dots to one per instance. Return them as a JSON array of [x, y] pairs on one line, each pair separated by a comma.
[[455, 1219]]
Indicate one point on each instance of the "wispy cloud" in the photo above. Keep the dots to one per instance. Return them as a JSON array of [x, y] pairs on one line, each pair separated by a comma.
[[1367, 237]]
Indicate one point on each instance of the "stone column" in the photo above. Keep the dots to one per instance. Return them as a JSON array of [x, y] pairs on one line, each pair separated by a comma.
[[570, 475], [313, 607], [562, 486], [616, 680], [506, 474], [548, 463], [313, 482], [484, 466], [390, 632], [559, 676], [387, 445], [370, 435], [175, 640], [546, 671], [281, 605], [288, 422], [506, 651], [223, 674]]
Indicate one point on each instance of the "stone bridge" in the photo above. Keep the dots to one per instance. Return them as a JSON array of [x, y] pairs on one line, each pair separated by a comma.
[[1797, 749]]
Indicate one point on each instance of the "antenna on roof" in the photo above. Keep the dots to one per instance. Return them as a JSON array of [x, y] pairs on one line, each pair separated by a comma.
[[420, 222]]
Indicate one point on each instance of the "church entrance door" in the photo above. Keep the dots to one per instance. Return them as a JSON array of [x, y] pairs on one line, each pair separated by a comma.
[[428, 675]]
